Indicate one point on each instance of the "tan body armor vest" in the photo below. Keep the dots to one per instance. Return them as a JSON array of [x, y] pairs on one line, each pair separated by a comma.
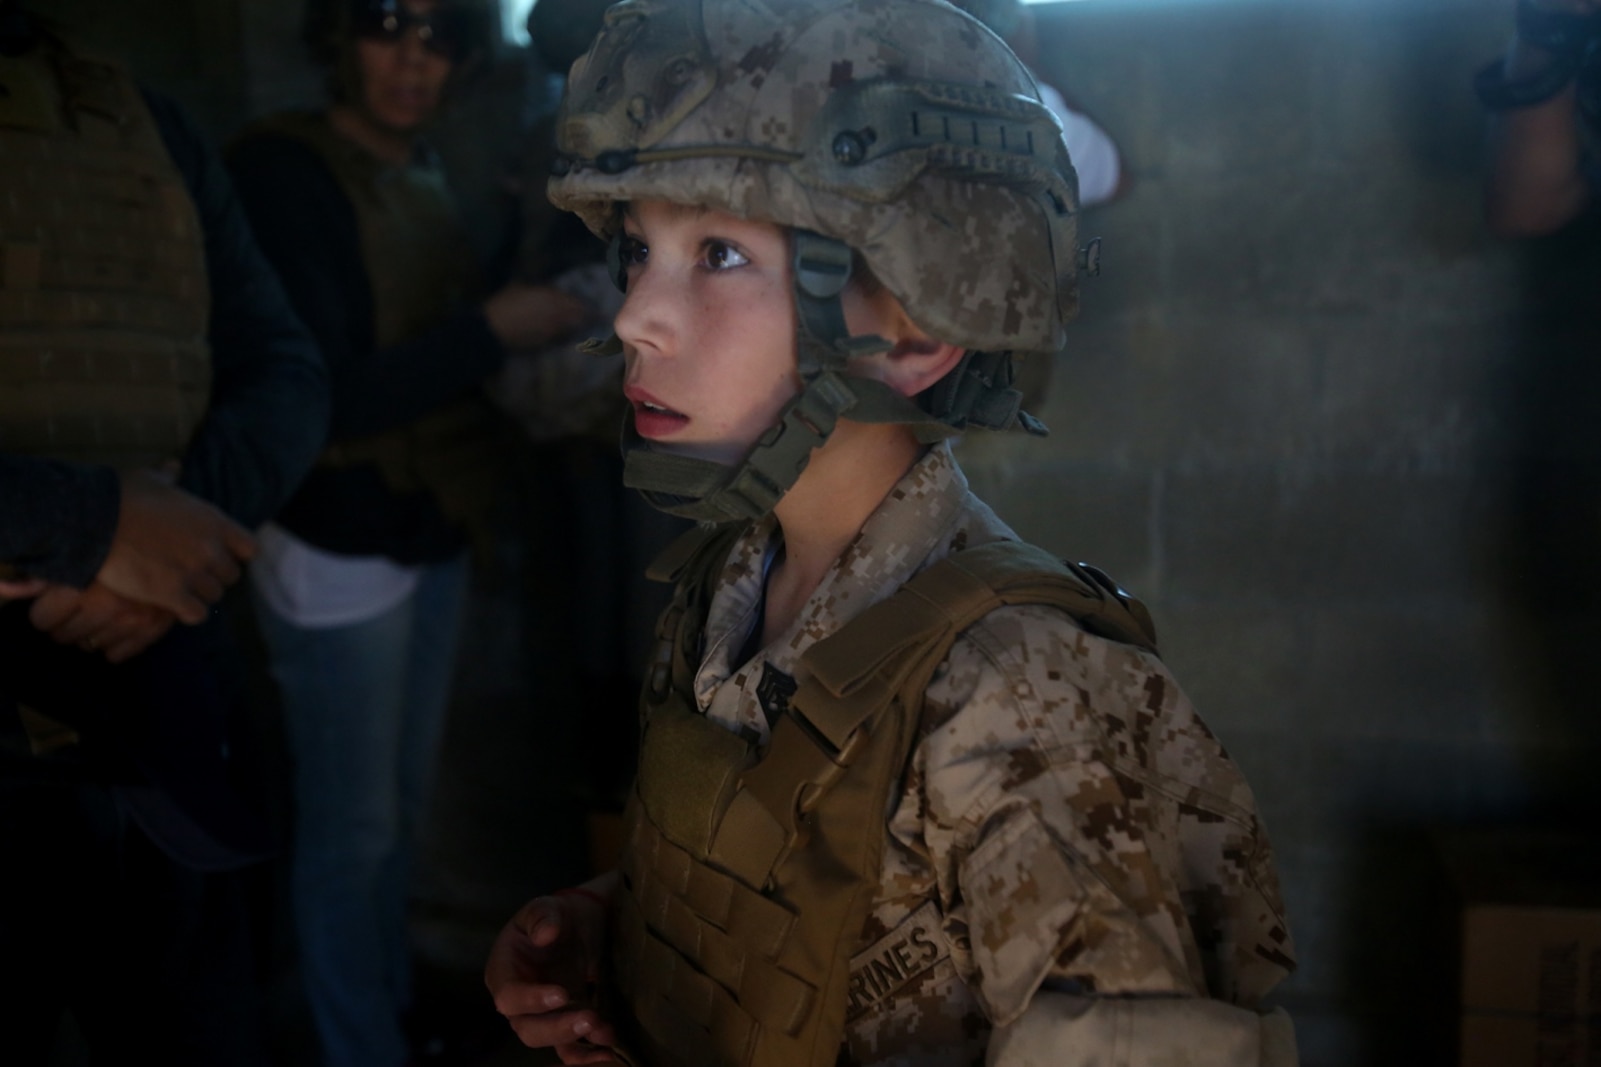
[[748, 874], [104, 301], [420, 268]]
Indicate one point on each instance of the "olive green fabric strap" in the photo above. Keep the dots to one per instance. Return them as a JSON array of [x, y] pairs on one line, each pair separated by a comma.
[[821, 268], [978, 392], [950, 596], [691, 562], [713, 492]]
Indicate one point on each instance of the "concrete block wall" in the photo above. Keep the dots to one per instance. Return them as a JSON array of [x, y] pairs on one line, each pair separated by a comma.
[[1288, 419]]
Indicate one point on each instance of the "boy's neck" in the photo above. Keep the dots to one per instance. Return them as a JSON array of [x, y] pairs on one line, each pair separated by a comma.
[[827, 507]]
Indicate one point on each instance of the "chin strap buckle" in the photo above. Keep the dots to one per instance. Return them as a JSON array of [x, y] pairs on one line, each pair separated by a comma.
[[822, 269]]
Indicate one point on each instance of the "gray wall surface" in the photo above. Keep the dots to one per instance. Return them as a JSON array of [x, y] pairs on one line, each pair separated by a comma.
[[1341, 440], [1312, 415]]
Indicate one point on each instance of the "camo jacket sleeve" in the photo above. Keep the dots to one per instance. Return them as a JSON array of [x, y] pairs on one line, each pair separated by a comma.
[[1089, 837], [1062, 1030]]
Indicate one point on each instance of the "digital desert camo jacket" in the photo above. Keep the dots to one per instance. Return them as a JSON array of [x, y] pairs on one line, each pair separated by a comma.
[[1075, 873]]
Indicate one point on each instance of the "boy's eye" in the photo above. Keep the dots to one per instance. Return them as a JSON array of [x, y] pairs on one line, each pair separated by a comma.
[[632, 252], [722, 256]]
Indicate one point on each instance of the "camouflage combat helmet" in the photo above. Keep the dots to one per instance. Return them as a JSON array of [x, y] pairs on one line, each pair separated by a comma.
[[900, 131]]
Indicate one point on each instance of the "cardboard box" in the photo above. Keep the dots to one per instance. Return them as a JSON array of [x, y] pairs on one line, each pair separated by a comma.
[[1531, 986], [1530, 948]]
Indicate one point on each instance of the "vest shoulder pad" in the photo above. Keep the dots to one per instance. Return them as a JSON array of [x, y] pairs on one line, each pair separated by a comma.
[[894, 646]]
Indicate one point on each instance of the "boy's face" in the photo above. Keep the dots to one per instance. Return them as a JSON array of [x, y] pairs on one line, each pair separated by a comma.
[[708, 328]]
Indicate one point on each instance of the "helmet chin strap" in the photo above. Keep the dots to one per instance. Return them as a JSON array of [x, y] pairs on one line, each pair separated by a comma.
[[706, 491], [715, 492]]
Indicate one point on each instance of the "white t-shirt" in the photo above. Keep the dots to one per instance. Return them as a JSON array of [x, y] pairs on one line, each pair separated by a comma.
[[314, 589], [1090, 148]]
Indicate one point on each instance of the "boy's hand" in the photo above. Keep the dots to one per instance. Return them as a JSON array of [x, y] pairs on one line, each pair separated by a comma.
[[98, 620], [172, 550], [543, 972]]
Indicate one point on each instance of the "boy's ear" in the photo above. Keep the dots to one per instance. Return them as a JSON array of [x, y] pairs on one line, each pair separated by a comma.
[[914, 364]]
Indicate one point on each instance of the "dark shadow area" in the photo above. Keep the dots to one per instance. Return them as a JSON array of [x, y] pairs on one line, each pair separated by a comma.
[[1398, 957], [1548, 561]]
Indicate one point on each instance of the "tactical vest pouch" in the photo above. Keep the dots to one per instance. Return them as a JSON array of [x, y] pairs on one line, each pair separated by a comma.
[[682, 908], [104, 299]]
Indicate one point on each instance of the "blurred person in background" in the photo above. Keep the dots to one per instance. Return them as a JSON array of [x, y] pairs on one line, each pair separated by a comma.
[[1544, 97], [361, 577], [161, 398]]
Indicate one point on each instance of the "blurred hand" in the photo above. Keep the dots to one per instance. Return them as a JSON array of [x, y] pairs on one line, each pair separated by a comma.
[[98, 620], [543, 972], [21, 588], [528, 316], [172, 550]]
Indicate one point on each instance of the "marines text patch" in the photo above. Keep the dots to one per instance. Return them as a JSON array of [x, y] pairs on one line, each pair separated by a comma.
[[892, 961]]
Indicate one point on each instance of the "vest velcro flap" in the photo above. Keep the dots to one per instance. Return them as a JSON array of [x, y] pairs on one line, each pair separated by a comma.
[[948, 596], [1003, 563], [843, 662], [1025, 574], [687, 808]]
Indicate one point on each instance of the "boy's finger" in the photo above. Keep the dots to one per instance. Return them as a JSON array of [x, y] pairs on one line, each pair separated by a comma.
[[20, 588], [526, 998], [54, 607], [541, 920], [550, 1030]]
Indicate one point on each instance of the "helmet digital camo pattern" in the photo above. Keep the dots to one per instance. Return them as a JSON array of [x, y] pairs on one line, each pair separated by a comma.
[[901, 129]]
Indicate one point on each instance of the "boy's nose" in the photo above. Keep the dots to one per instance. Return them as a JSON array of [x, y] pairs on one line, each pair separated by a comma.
[[647, 316]]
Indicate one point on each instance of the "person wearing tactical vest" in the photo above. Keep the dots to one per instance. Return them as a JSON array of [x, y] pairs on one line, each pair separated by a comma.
[[160, 400], [361, 576], [910, 791]]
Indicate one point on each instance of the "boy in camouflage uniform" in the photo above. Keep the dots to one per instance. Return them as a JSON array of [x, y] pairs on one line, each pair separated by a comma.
[[909, 792]]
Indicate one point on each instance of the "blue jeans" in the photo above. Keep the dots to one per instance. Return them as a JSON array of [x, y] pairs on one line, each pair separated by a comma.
[[364, 707]]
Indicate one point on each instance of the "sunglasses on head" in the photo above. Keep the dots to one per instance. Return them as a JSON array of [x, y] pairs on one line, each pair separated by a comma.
[[442, 31]]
